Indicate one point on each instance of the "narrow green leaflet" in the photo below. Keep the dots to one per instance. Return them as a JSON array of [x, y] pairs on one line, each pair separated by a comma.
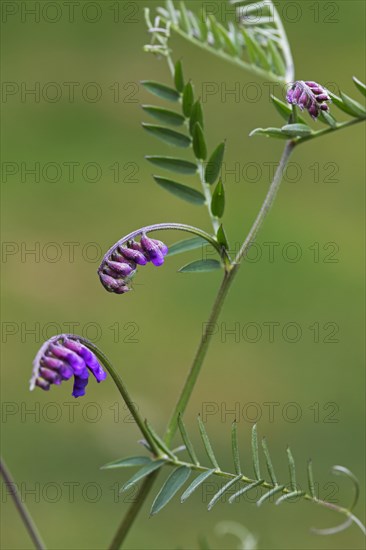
[[166, 134], [188, 99], [200, 266], [268, 132], [214, 164], [196, 483], [255, 454], [186, 245], [288, 496], [270, 468], [235, 447], [180, 190], [145, 471], [173, 164], [221, 237], [292, 469], [186, 23], [277, 62], [199, 143], [294, 130], [178, 77], [172, 485], [327, 118], [164, 115], [355, 108], [207, 444], [218, 200], [270, 494], [196, 116], [161, 90], [359, 85], [348, 105], [311, 479], [187, 442], [244, 490], [222, 491], [127, 462]]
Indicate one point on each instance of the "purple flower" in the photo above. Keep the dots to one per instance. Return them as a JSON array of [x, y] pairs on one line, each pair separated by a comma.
[[62, 357], [119, 264], [310, 96]]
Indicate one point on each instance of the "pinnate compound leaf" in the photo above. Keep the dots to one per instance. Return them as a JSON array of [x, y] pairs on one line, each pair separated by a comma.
[[173, 164], [172, 485], [167, 135], [200, 266], [214, 164], [179, 190], [128, 462], [161, 90]]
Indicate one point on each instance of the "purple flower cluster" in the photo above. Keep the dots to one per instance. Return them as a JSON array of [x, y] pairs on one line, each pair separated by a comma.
[[310, 96], [62, 357], [119, 265]]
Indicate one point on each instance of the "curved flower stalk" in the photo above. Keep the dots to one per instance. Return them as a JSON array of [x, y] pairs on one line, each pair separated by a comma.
[[119, 264], [62, 357]]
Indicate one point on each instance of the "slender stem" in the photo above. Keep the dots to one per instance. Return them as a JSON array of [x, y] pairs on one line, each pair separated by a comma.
[[268, 201], [133, 511], [199, 357], [126, 397], [181, 405], [22, 509]]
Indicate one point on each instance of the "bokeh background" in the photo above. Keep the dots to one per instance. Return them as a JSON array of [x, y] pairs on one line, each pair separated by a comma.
[[316, 388]]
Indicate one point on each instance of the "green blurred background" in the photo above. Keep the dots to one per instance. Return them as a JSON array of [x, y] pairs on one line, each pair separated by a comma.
[[151, 333]]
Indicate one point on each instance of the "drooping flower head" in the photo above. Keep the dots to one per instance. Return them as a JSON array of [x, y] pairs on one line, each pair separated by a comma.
[[62, 357], [310, 96], [119, 265]]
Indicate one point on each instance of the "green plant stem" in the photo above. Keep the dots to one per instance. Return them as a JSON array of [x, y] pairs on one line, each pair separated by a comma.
[[339, 126], [22, 509], [206, 337]]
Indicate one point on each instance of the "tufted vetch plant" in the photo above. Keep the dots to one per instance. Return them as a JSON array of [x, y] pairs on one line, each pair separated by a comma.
[[187, 168]]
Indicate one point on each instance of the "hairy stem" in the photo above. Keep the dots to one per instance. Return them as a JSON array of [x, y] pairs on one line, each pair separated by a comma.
[[207, 192], [22, 509], [206, 337]]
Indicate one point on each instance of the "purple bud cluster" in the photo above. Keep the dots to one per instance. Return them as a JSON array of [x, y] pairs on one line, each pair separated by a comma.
[[310, 96], [119, 265], [61, 358]]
